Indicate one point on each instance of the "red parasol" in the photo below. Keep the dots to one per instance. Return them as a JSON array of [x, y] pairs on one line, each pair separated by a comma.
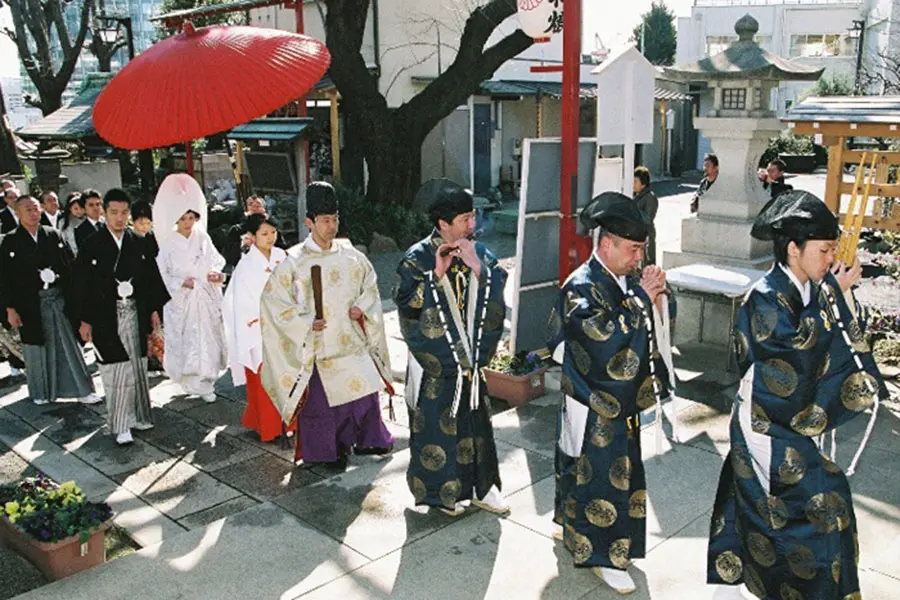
[[204, 81]]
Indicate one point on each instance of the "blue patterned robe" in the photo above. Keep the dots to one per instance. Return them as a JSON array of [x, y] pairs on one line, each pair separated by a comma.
[[450, 455], [783, 521], [601, 495]]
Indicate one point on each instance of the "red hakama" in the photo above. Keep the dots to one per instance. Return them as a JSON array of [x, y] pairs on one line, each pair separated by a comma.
[[261, 415]]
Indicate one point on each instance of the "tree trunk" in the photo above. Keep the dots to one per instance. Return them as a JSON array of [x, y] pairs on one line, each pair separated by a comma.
[[9, 158], [394, 166]]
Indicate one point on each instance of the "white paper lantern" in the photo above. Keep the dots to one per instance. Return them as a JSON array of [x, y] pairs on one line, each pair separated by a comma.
[[535, 16]]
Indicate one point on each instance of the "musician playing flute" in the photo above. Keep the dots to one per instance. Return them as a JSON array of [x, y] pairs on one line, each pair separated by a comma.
[[449, 296], [783, 523], [327, 369], [602, 330]]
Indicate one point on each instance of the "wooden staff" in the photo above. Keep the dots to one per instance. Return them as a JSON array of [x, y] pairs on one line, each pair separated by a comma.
[[315, 273]]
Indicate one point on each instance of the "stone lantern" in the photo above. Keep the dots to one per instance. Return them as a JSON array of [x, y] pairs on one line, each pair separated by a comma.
[[739, 125]]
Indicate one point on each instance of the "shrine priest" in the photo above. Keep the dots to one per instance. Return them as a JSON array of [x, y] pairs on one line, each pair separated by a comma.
[[783, 523], [120, 297], [602, 330], [324, 347], [37, 291], [449, 296]]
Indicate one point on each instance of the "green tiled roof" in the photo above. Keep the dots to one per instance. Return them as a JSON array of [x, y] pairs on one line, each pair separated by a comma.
[[73, 121], [279, 129]]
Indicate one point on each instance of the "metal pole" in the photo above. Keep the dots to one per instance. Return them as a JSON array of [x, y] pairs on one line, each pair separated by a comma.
[[571, 101], [444, 120], [859, 53]]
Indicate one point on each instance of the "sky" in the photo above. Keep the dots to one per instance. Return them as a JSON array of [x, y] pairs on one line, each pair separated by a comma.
[[613, 20]]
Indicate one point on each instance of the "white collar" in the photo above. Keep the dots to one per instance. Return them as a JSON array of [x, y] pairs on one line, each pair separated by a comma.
[[312, 245], [620, 279], [13, 213], [93, 222], [34, 236], [805, 289], [118, 240]]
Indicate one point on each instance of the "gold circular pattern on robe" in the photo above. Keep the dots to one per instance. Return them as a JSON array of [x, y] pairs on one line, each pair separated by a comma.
[[335, 276], [581, 547], [598, 293], [802, 562], [827, 512], [836, 568], [763, 321], [286, 381], [493, 316], [285, 280], [417, 487], [740, 462], [624, 365], [287, 345], [646, 396], [602, 433], [430, 364], [581, 356], [605, 404], [554, 324], [857, 338], [287, 314], [824, 366], [718, 525], [433, 457], [355, 385], [810, 421], [855, 394], [432, 328], [432, 388], [761, 549], [773, 510], [853, 596], [566, 386], [793, 468], [596, 329], [789, 593], [418, 422], [571, 506], [584, 472], [417, 300], [637, 504], [741, 346], [619, 552], [829, 466], [754, 582], [779, 376], [448, 422], [620, 473], [450, 492], [465, 451], [729, 566], [784, 302], [600, 513], [759, 420], [807, 334]]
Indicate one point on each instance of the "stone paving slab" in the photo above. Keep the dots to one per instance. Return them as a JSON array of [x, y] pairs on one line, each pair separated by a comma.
[[144, 523], [12, 467], [215, 513], [886, 433], [266, 477], [262, 553], [102, 452], [482, 556], [205, 448], [176, 488]]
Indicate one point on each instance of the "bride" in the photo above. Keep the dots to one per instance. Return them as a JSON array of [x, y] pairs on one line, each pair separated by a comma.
[[191, 268]]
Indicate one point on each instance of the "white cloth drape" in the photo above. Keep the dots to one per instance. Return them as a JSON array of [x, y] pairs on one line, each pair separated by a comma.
[[194, 333], [241, 310]]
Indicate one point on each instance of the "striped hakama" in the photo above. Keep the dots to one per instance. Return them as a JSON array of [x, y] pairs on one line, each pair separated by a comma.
[[56, 369], [126, 385]]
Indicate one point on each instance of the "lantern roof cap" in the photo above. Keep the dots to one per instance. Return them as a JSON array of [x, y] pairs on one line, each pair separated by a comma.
[[744, 59]]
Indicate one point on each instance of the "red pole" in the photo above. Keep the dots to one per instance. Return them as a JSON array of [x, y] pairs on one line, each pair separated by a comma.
[[189, 158], [568, 177]]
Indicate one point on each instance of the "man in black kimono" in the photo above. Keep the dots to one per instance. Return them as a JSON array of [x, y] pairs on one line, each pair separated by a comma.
[[51, 216], [36, 264], [93, 213], [121, 295], [9, 220], [450, 298], [9, 337], [602, 330]]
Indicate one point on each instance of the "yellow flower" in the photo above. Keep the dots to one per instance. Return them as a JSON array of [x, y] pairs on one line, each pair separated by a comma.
[[28, 509], [68, 486], [12, 508], [13, 519]]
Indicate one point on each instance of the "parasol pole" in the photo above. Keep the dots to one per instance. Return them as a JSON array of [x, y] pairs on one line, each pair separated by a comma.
[[568, 184]]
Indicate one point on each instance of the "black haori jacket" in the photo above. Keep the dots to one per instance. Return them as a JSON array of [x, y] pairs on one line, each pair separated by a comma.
[[21, 261], [100, 268]]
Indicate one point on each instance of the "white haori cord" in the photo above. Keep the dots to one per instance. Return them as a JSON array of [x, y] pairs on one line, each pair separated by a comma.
[[836, 316], [475, 393], [657, 392]]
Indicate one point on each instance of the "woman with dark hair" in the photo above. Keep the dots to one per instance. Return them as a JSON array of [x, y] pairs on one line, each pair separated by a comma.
[[191, 268], [783, 522], [649, 203], [242, 328], [73, 216]]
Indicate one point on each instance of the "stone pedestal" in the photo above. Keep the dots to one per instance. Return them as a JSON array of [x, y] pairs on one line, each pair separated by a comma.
[[48, 176]]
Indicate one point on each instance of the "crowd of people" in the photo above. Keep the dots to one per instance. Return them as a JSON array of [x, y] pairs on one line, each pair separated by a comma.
[[304, 331]]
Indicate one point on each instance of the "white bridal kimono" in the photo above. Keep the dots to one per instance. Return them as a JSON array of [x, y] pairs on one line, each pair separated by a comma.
[[192, 319], [241, 310]]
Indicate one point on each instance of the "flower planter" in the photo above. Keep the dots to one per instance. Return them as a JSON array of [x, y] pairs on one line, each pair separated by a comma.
[[57, 559], [515, 389]]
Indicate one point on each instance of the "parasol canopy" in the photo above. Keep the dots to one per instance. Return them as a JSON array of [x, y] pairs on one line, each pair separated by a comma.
[[204, 81]]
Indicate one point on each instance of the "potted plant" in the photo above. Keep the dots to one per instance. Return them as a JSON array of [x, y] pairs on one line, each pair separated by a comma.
[[53, 525], [515, 378]]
